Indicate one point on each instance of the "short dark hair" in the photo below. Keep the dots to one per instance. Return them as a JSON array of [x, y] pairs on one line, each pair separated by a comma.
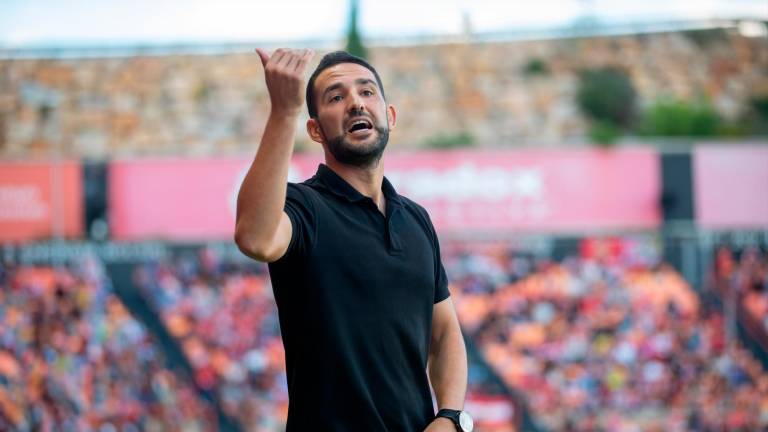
[[332, 59]]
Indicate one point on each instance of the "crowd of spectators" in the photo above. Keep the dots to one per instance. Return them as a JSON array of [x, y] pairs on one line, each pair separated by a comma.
[[72, 358], [591, 342], [222, 313], [601, 343]]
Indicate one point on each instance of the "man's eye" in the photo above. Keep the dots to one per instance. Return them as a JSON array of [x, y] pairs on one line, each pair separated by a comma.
[[367, 93], [336, 98]]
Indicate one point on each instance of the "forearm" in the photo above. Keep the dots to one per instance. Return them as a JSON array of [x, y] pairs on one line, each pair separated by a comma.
[[262, 229], [448, 369], [261, 198]]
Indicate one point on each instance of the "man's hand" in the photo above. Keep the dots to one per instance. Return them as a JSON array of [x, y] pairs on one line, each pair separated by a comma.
[[284, 74], [441, 424]]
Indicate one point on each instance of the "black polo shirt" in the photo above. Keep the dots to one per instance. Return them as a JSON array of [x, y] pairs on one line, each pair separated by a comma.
[[355, 292]]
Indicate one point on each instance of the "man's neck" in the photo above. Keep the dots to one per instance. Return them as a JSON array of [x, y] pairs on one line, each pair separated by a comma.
[[366, 180]]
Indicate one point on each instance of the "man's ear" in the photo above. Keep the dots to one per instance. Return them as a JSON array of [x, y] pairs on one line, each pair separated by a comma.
[[391, 116], [314, 131]]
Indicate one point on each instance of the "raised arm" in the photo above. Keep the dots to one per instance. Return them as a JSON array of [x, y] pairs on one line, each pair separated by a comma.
[[263, 230]]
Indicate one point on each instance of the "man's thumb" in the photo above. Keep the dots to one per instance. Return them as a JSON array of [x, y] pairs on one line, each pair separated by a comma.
[[263, 56]]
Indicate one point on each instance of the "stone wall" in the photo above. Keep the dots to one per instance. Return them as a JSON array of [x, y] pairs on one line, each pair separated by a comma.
[[194, 105]]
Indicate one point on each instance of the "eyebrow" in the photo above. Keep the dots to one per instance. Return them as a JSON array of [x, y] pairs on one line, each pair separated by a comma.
[[359, 81]]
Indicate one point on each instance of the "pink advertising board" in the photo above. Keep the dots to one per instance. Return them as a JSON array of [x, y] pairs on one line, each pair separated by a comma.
[[533, 190], [523, 190], [730, 185], [183, 199]]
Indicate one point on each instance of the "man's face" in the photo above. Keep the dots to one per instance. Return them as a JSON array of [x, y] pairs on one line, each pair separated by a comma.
[[353, 119]]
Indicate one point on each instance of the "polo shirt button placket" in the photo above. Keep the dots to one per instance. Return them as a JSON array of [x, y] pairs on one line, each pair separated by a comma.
[[393, 240]]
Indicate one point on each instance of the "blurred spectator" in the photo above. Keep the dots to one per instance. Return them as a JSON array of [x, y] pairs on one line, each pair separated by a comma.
[[747, 277]]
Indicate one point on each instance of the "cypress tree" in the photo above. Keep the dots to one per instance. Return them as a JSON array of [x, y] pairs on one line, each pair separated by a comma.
[[354, 41]]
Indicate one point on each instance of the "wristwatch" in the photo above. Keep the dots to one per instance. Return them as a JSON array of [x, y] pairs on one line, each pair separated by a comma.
[[461, 419]]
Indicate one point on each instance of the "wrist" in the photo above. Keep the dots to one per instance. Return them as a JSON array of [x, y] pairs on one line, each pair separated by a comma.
[[287, 114], [444, 422], [461, 420]]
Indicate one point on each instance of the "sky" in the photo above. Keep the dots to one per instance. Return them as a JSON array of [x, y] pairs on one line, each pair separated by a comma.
[[94, 22]]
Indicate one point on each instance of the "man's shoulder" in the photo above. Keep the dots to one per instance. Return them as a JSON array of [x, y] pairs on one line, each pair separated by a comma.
[[311, 182], [412, 205], [417, 210], [306, 188], [303, 195]]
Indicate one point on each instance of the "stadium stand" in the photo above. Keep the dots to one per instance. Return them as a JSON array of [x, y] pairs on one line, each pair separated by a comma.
[[72, 358], [176, 102], [598, 345], [224, 316], [590, 343]]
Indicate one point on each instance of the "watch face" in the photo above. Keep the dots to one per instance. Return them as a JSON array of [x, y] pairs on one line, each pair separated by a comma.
[[465, 421]]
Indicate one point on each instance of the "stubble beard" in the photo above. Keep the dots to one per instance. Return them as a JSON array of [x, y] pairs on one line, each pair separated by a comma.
[[360, 156]]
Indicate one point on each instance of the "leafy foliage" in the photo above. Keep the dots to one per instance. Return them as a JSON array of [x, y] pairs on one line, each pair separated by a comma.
[[681, 118], [534, 67], [607, 95], [604, 133], [447, 141]]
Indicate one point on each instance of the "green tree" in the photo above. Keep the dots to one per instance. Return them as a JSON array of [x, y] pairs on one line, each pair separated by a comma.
[[354, 40], [607, 95], [535, 66]]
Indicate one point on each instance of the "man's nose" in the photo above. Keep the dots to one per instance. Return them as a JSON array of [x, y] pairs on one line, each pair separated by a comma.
[[356, 103]]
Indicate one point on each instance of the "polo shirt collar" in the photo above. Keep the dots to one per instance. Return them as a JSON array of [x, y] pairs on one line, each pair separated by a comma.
[[338, 186]]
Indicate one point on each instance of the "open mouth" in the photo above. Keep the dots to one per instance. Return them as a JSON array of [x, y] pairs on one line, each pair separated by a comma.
[[358, 125]]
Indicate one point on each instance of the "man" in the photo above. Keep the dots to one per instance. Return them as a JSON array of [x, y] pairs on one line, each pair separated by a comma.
[[362, 295]]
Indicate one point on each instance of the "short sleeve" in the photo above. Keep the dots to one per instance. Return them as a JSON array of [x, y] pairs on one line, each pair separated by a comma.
[[299, 208], [441, 279]]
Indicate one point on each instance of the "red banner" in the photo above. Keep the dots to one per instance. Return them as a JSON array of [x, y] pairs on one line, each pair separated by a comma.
[[40, 200], [730, 185], [526, 190]]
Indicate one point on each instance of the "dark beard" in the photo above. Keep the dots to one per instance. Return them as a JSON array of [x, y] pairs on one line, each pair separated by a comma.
[[357, 156]]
